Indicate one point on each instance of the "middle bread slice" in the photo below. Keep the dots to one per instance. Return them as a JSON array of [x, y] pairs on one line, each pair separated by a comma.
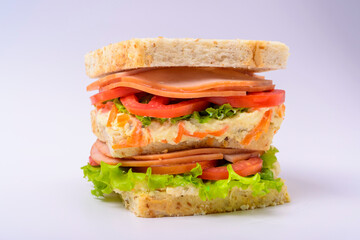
[[126, 136]]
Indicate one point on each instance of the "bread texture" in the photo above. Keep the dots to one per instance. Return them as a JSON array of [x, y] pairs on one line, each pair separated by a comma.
[[184, 201], [250, 55], [239, 126]]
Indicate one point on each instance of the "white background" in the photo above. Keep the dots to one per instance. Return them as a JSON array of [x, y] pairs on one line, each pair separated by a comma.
[[45, 124]]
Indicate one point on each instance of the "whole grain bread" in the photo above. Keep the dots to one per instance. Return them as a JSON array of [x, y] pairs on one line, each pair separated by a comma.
[[250, 55], [185, 201]]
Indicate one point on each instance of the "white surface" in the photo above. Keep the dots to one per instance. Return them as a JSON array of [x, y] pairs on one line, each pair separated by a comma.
[[46, 134]]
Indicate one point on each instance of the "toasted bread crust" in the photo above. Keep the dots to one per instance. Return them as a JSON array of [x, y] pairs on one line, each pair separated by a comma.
[[180, 202], [250, 55]]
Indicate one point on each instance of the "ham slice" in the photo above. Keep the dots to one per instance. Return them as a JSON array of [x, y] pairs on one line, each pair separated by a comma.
[[100, 153], [240, 156], [183, 78], [98, 157], [103, 148], [92, 162], [170, 94], [184, 82], [190, 152]]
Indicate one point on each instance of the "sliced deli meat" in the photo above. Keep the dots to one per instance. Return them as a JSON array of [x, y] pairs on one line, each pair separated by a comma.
[[171, 94], [231, 153], [97, 156], [172, 159], [103, 148], [92, 162], [240, 156], [184, 79], [185, 82]]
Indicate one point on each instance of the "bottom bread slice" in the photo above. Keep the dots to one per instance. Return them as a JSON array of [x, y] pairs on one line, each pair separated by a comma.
[[184, 201]]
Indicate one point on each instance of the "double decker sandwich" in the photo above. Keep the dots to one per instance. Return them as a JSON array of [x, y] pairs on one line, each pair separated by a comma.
[[184, 126]]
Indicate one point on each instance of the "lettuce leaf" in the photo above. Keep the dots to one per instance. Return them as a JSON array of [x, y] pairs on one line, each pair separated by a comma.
[[221, 188], [120, 107], [266, 174], [146, 121], [215, 112], [269, 157], [108, 177], [176, 119]]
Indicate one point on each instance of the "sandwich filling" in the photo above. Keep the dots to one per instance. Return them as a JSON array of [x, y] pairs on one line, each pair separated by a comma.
[[108, 178], [171, 127]]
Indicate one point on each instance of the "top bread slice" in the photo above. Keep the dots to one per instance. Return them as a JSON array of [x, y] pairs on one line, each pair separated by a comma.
[[250, 55]]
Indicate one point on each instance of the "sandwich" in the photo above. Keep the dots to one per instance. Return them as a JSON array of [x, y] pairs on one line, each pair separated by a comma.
[[185, 126]]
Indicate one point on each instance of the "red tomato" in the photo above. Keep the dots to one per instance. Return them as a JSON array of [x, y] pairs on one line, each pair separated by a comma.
[[253, 99], [243, 168], [111, 94], [157, 107], [158, 101]]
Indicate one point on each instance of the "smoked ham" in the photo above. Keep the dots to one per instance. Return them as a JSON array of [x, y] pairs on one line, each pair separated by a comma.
[[98, 157], [103, 148], [170, 94], [185, 82], [240, 156], [100, 153]]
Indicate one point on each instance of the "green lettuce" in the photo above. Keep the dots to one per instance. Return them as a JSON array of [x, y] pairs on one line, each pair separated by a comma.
[[215, 112], [266, 174], [221, 188], [108, 177], [146, 121], [269, 157], [177, 119], [120, 107]]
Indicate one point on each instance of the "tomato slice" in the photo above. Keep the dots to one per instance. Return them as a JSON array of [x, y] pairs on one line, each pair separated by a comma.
[[253, 99], [157, 107], [111, 94], [159, 101], [243, 168], [176, 168]]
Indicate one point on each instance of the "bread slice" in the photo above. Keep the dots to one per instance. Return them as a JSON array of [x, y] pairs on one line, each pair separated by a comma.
[[250, 55], [181, 201], [240, 126]]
